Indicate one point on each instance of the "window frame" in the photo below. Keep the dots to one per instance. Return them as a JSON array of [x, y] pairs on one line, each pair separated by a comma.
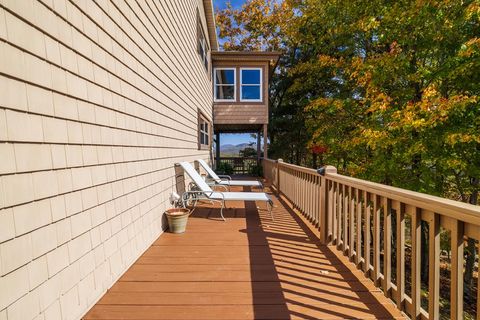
[[215, 84], [203, 48], [251, 85], [203, 119]]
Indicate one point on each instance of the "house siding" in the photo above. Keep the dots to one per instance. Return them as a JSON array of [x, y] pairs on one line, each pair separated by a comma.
[[98, 100]]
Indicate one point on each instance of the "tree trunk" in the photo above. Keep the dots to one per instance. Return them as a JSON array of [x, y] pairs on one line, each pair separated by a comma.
[[470, 252], [314, 160]]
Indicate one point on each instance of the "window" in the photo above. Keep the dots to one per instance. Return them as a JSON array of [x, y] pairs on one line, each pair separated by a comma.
[[224, 84], [203, 132], [202, 45], [251, 84]]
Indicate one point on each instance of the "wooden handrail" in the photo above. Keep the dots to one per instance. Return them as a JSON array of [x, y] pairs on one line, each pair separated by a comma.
[[354, 215], [455, 209]]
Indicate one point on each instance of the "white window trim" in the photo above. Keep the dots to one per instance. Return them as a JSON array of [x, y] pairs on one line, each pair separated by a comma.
[[261, 85], [204, 133], [208, 134], [202, 39], [234, 85]]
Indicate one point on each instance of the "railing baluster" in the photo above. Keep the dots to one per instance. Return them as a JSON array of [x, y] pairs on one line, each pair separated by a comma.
[[294, 191], [310, 198], [387, 246], [313, 198], [376, 239], [316, 197], [301, 192], [306, 195], [345, 213], [400, 252], [339, 216], [415, 213], [308, 203], [351, 223], [478, 287], [358, 218], [366, 239], [433, 263], [334, 213], [456, 274], [330, 216]]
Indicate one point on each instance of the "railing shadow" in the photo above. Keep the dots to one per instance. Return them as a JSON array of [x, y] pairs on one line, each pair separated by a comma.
[[277, 309], [314, 283]]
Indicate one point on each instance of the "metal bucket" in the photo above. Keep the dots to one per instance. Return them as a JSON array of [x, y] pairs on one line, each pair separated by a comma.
[[177, 219]]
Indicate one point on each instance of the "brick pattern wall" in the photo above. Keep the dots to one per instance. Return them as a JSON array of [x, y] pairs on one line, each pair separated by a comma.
[[98, 100]]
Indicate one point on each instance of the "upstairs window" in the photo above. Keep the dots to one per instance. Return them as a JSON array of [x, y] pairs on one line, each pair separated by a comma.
[[202, 45], [224, 84], [203, 132], [251, 84]]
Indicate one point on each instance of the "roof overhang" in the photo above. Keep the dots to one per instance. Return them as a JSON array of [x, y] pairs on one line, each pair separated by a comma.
[[210, 16], [269, 56]]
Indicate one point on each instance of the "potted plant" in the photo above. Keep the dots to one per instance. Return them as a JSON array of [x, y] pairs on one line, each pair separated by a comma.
[[177, 219], [177, 216]]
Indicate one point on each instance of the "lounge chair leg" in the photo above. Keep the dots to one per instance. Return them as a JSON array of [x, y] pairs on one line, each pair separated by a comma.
[[270, 205], [221, 211]]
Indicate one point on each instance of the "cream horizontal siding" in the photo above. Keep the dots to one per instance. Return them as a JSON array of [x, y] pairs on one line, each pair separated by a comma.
[[98, 100]]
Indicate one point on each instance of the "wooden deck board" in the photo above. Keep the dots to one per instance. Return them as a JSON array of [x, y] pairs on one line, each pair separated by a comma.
[[246, 268]]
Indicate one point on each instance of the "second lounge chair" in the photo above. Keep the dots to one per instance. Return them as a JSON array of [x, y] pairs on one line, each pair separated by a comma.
[[227, 180], [204, 189]]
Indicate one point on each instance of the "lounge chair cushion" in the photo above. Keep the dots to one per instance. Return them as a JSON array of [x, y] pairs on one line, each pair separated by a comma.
[[195, 176], [240, 196], [240, 183]]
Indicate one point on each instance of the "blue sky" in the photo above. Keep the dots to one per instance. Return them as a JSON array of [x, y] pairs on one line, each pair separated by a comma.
[[232, 138], [221, 4]]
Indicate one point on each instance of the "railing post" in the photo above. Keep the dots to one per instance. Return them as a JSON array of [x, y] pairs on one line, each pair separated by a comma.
[[324, 202], [277, 175]]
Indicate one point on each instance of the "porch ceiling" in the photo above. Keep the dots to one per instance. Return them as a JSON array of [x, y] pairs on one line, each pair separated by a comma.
[[237, 128]]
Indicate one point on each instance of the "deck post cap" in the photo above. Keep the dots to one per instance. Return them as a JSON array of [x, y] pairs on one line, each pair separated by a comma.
[[326, 169]]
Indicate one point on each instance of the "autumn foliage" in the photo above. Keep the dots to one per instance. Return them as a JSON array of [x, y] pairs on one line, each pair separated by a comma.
[[389, 89]]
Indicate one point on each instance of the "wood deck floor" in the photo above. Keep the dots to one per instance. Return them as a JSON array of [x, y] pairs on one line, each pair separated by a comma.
[[245, 268]]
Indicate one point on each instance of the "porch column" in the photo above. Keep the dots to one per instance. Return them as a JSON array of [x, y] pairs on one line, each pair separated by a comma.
[[217, 149], [259, 150], [265, 141]]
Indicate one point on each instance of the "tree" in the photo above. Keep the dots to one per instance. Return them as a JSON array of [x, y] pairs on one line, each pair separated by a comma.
[[390, 88], [247, 152]]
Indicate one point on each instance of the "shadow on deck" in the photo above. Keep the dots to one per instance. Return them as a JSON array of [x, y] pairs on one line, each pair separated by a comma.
[[246, 268]]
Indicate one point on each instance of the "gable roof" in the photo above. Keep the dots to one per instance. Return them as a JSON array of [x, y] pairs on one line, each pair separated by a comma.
[[212, 30]]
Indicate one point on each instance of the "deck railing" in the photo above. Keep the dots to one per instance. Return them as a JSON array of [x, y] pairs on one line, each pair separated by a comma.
[[240, 165], [356, 216]]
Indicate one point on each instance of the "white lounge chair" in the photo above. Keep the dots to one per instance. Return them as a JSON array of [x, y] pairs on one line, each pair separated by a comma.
[[225, 180], [204, 189]]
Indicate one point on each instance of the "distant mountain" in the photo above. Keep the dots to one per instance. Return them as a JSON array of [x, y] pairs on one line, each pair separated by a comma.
[[232, 150]]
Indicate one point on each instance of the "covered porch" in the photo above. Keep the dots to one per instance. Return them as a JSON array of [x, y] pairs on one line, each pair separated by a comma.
[[248, 267], [241, 164]]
